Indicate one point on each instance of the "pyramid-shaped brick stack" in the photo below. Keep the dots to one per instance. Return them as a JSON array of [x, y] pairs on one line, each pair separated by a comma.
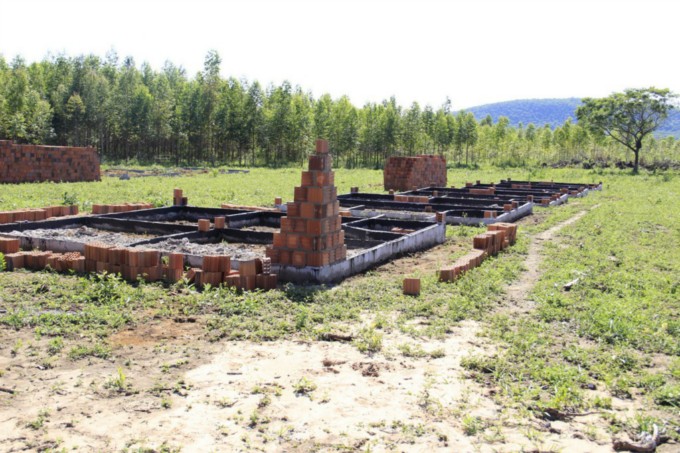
[[311, 233]]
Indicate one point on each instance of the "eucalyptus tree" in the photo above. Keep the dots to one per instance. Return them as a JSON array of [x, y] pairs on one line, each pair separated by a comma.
[[344, 130], [254, 118], [466, 134], [322, 116], [413, 130]]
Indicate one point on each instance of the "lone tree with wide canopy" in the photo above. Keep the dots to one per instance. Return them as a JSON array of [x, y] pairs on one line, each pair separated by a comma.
[[627, 117]]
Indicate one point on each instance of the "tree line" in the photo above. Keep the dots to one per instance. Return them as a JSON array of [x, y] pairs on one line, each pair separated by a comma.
[[164, 116]]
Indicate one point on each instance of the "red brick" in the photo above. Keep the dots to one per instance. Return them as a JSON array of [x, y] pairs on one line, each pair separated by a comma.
[[233, 281], [203, 225], [285, 257], [14, 261], [306, 179], [279, 239], [300, 194], [321, 146], [411, 286], [174, 275], [9, 245], [318, 259], [293, 209], [298, 259], [292, 241], [320, 162], [248, 282], [248, 267], [176, 261], [212, 278]]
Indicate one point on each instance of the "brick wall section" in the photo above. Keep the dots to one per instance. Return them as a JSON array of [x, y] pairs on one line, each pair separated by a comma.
[[36, 214], [311, 232], [498, 237], [36, 163], [408, 173]]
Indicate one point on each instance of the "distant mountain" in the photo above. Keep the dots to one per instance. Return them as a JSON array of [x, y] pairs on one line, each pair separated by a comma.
[[553, 112]]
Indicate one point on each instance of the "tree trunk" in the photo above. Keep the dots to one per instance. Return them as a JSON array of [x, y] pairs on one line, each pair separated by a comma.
[[638, 146]]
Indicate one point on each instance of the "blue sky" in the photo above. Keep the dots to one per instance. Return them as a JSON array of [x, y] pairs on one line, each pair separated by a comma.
[[474, 52]]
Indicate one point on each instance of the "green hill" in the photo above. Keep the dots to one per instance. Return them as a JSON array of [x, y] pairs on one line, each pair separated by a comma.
[[553, 112]]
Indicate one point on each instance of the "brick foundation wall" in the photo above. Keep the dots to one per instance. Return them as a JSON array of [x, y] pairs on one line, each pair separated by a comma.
[[36, 163], [409, 173]]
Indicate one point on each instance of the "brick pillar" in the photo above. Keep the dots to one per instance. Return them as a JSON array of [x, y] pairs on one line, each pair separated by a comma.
[[311, 234]]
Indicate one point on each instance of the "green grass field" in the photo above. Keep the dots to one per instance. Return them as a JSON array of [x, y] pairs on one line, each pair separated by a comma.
[[614, 336]]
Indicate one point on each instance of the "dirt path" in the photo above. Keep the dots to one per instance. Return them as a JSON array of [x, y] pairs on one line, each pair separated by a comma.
[[517, 294]]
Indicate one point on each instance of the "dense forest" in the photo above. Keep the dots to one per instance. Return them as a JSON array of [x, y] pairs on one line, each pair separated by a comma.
[[138, 114]]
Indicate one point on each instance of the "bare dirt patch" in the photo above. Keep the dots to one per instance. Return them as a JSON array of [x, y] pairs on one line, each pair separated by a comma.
[[181, 391], [517, 293]]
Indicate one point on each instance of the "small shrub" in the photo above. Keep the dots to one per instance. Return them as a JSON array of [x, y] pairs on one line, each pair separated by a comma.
[[472, 425], [98, 350], [408, 350], [369, 340], [304, 386], [38, 423], [69, 199], [118, 383], [668, 395], [55, 346]]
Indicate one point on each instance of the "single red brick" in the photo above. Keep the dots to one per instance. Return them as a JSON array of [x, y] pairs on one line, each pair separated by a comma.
[[411, 286], [321, 146], [300, 194], [299, 259], [307, 179]]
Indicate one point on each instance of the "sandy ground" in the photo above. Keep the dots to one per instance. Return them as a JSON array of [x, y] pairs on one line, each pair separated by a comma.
[[182, 392], [168, 388]]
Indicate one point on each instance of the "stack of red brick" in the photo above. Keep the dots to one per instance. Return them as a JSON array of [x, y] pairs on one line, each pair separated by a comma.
[[34, 214], [498, 237], [133, 264], [251, 274], [35, 163], [178, 198], [124, 207], [37, 260], [411, 198], [487, 191], [409, 173], [130, 263], [311, 232]]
